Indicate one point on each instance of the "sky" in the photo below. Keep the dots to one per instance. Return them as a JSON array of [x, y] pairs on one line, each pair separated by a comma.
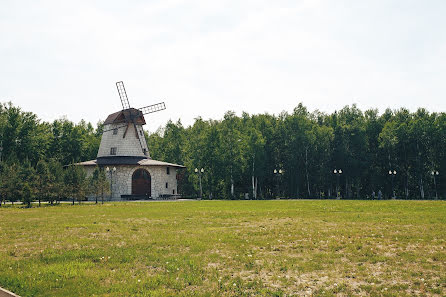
[[205, 57]]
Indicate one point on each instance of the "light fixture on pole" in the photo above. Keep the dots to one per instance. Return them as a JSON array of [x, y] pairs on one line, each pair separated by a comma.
[[200, 172], [278, 173], [392, 173], [338, 173], [113, 170], [435, 173]]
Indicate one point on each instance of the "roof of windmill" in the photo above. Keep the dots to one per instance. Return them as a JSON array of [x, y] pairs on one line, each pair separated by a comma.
[[143, 162], [123, 116]]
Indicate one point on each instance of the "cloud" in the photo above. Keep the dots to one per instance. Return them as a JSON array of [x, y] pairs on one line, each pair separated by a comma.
[[207, 57]]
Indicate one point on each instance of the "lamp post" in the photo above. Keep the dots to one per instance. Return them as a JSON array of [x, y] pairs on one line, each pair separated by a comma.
[[113, 170], [392, 174], [338, 173], [200, 172], [435, 173], [278, 174]]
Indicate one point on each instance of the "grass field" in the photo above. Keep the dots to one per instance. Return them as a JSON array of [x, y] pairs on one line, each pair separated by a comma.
[[226, 248]]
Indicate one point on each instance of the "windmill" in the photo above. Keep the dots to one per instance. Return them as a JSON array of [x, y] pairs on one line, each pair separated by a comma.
[[131, 119]]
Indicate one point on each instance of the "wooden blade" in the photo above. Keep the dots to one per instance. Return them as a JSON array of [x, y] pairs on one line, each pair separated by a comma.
[[139, 138], [126, 129], [153, 108], [136, 133], [123, 95]]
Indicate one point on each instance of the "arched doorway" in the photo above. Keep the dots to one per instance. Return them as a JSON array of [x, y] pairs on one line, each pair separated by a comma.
[[141, 183]]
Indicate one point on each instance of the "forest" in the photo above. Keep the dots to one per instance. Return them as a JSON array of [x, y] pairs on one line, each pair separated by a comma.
[[348, 154]]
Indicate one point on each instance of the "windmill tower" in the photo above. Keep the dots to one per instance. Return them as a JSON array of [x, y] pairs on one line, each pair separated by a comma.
[[124, 155], [123, 138]]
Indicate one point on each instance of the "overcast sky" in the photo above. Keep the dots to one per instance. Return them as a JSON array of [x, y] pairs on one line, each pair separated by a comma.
[[204, 57]]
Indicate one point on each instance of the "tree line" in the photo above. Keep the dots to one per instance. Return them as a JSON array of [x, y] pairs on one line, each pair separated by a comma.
[[49, 182], [296, 155], [263, 156], [36, 159]]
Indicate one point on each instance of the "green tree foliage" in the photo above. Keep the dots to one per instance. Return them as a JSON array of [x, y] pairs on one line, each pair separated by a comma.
[[11, 182], [98, 184], [56, 189], [43, 180], [239, 155], [4, 175], [75, 183]]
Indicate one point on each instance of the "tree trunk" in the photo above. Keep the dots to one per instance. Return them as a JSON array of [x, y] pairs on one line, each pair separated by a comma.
[[253, 187], [256, 187], [232, 186], [297, 187], [254, 194], [421, 187], [306, 172], [421, 172], [406, 186], [346, 188]]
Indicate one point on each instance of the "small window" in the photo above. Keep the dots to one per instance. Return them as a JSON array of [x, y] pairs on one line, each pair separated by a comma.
[[168, 170], [167, 185], [113, 151], [115, 131], [140, 132], [173, 192]]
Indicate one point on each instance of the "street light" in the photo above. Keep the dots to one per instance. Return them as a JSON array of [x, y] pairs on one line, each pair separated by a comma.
[[111, 179], [338, 175], [278, 174], [435, 173], [392, 174], [200, 172]]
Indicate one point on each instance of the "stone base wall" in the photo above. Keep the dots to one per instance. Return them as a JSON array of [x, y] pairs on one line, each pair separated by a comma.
[[121, 180]]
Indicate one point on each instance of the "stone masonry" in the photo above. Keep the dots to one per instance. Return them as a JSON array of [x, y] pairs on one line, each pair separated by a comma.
[[122, 179]]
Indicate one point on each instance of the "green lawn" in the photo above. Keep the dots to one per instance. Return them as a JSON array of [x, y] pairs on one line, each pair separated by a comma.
[[227, 248]]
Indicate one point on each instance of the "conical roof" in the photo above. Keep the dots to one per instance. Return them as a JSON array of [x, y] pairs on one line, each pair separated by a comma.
[[125, 116]]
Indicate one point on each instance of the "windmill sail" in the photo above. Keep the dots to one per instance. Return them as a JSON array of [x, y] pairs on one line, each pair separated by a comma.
[[123, 95], [153, 108], [128, 145]]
